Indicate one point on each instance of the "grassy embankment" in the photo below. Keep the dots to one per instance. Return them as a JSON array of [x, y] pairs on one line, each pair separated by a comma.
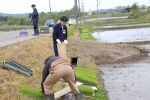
[[83, 33], [31, 54], [137, 21], [105, 15]]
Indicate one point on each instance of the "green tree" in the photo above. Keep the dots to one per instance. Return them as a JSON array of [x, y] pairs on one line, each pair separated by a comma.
[[128, 6], [143, 7], [10, 20], [148, 7], [22, 21], [3, 18], [135, 6], [119, 9]]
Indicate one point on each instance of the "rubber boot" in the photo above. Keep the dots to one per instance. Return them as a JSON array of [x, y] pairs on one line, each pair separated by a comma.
[[78, 96], [50, 97], [37, 32], [34, 32]]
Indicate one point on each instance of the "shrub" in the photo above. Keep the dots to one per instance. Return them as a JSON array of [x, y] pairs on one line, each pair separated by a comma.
[[137, 14]]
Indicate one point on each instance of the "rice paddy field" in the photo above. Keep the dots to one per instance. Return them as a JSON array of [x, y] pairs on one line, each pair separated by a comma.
[[33, 52]]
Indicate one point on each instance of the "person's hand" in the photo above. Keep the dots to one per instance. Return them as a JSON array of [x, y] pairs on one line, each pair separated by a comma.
[[58, 41], [31, 19], [65, 41]]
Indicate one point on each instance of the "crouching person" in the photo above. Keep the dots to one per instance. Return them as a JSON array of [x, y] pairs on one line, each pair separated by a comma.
[[54, 69]]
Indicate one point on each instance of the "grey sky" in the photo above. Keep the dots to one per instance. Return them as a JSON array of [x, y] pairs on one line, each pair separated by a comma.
[[23, 6]]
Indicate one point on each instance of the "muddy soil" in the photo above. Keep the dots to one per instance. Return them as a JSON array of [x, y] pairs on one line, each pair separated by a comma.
[[102, 53], [129, 80]]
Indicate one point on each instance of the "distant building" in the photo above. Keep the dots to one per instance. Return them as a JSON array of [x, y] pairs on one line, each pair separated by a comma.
[[148, 9], [127, 10], [90, 12]]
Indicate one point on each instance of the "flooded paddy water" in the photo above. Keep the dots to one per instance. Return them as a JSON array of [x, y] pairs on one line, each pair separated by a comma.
[[128, 35], [130, 80]]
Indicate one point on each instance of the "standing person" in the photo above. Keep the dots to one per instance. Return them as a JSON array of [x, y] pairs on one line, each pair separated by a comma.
[[60, 34], [35, 19], [56, 68]]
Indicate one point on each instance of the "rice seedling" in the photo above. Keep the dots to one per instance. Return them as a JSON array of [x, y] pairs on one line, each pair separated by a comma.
[[86, 76], [86, 90], [86, 80], [31, 92]]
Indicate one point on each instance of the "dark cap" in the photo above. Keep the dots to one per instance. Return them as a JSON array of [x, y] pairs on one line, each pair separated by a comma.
[[33, 5]]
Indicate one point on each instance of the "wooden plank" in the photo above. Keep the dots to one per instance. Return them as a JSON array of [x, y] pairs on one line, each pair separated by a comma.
[[62, 50], [62, 92]]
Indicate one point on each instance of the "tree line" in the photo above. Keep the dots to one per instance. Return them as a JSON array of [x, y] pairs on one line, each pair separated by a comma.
[[137, 10], [11, 20]]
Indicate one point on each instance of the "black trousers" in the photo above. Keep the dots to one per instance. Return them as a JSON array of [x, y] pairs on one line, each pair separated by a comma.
[[35, 24], [55, 48]]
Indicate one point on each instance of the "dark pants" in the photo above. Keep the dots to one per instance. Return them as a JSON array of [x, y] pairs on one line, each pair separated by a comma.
[[55, 48], [35, 24]]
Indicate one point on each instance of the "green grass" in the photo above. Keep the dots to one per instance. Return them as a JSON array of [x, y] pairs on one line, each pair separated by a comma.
[[32, 92], [119, 15], [71, 30], [139, 20], [74, 48], [17, 26], [86, 76], [99, 15]]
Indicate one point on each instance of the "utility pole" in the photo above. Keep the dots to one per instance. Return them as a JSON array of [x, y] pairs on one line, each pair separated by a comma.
[[97, 10], [76, 13], [83, 10], [50, 9], [79, 11]]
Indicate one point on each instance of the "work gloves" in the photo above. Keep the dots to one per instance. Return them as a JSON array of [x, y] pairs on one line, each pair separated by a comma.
[[59, 42], [65, 41]]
